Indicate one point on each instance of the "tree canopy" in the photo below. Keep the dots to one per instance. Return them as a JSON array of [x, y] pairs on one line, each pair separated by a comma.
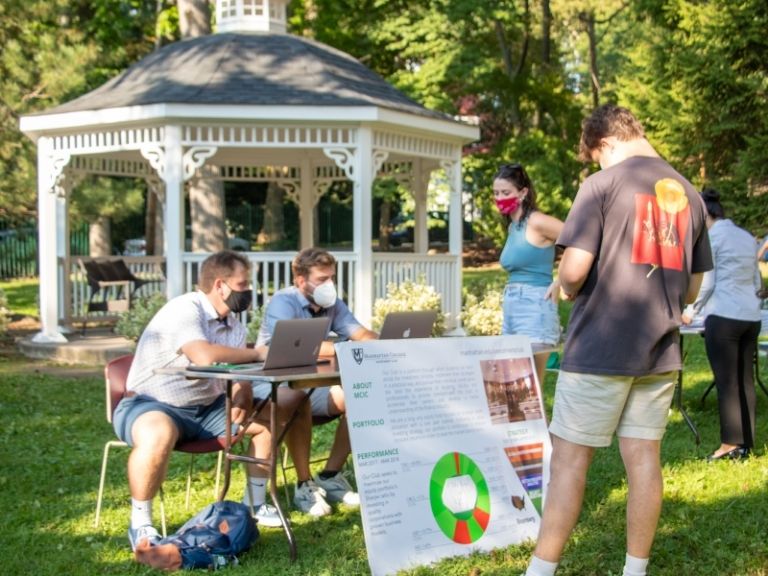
[[693, 71]]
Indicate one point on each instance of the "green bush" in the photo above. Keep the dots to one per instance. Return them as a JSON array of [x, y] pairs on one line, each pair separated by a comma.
[[406, 297], [131, 324], [254, 323], [482, 316]]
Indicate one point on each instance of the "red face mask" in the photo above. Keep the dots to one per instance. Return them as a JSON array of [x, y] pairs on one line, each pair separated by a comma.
[[508, 206]]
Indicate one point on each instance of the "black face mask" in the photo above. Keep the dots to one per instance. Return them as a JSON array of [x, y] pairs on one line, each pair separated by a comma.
[[239, 301]]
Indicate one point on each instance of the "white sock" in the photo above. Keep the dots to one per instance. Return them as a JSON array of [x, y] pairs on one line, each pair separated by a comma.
[[255, 488], [141, 513], [539, 567], [635, 566]]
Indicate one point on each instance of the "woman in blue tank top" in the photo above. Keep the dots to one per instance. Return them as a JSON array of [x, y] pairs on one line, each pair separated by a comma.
[[528, 256]]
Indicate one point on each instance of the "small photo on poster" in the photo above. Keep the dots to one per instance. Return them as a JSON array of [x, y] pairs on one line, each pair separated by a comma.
[[510, 389]]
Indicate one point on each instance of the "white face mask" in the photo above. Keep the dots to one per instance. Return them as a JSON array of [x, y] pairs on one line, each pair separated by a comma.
[[325, 294]]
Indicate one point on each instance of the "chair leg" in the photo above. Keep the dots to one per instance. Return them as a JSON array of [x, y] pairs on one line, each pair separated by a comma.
[[102, 477], [189, 478], [219, 463], [162, 513]]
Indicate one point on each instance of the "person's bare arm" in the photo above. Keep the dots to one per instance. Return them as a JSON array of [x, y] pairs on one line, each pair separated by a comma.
[[202, 353], [573, 271], [693, 288]]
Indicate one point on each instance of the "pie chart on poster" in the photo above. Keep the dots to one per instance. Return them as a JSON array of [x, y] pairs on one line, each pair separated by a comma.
[[459, 497]]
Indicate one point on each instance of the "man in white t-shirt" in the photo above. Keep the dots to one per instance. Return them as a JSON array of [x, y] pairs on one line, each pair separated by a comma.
[[160, 410]]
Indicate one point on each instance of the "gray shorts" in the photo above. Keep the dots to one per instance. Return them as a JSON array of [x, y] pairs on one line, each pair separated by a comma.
[[319, 398], [590, 408]]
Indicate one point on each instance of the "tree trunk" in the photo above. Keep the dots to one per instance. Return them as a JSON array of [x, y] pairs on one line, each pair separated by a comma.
[[150, 233], [272, 230], [385, 215], [589, 21], [100, 237], [206, 202], [194, 18]]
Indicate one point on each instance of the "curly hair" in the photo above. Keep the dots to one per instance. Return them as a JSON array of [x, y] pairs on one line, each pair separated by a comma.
[[607, 120], [309, 258]]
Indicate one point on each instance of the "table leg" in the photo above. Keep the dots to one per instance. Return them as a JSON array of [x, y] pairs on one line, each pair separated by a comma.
[[272, 463], [273, 470], [677, 400]]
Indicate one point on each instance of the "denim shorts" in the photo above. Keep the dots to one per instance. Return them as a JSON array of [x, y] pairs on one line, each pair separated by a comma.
[[193, 422], [528, 313]]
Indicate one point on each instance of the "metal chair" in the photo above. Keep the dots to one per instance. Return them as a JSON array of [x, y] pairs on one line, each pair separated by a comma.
[[116, 376]]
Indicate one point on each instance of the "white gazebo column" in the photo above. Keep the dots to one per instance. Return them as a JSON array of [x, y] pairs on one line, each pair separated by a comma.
[[173, 176], [420, 183], [455, 228], [363, 174], [306, 204], [48, 169], [62, 255]]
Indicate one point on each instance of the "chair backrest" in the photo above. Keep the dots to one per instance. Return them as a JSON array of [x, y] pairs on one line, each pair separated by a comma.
[[92, 273], [115, 377]]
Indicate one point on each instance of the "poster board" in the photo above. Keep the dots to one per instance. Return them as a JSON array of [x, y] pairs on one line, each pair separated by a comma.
[[449, 443]]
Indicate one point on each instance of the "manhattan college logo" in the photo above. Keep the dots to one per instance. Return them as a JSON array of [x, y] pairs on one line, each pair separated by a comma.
[[357, 354]]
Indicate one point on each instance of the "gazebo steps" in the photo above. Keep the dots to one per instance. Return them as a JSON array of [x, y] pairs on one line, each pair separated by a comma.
[[97, 347]]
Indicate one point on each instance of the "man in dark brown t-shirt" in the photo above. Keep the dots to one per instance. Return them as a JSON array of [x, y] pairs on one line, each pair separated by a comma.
[[636, 247]]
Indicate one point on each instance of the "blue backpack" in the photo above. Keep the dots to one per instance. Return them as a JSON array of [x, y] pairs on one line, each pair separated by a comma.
[[210, 540]]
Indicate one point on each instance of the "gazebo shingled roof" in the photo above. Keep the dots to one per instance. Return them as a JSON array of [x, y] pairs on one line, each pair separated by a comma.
[[251, 69]]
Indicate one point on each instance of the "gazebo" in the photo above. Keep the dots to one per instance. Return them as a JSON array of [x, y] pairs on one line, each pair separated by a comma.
[[250, 103]]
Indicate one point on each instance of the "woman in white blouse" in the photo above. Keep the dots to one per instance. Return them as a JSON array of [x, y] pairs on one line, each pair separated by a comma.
[[728, 300]]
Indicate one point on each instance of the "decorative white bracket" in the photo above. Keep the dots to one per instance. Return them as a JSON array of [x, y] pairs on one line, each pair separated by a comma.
[[68, 180], [194, 158], [58, 162], [319, 189], [344, 159], [291, 190], [155, 155], [378, 157]]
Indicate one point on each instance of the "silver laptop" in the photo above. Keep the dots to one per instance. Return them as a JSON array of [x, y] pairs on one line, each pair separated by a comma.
[[294, 343], [415, 324]]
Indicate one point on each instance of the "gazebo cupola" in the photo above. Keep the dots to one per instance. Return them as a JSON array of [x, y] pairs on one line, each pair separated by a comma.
[[251, 16]]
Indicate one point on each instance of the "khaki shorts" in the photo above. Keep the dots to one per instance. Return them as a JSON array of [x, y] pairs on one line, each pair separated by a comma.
[[589, 408]]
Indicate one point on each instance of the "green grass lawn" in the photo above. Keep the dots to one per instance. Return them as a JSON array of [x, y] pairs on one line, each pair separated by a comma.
[[22, 296], [51, 440], [53, 431]]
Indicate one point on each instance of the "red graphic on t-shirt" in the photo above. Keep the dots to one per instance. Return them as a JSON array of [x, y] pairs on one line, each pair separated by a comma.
[[661, 222]]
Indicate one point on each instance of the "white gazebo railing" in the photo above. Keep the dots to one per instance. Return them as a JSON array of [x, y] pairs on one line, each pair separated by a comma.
[[271, 271]]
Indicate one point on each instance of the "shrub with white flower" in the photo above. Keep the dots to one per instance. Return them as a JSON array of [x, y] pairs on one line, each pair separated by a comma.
[[482, 316], [256, 316], [406, 297], [4, 312], [132, 323]]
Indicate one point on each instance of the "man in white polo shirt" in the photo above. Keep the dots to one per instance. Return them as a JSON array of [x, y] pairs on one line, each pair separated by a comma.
[[160, 410]]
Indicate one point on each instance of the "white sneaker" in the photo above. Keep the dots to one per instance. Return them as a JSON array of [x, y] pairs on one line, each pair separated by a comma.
[[147, 532], [338, 489], [267, 516], [310, 499]]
